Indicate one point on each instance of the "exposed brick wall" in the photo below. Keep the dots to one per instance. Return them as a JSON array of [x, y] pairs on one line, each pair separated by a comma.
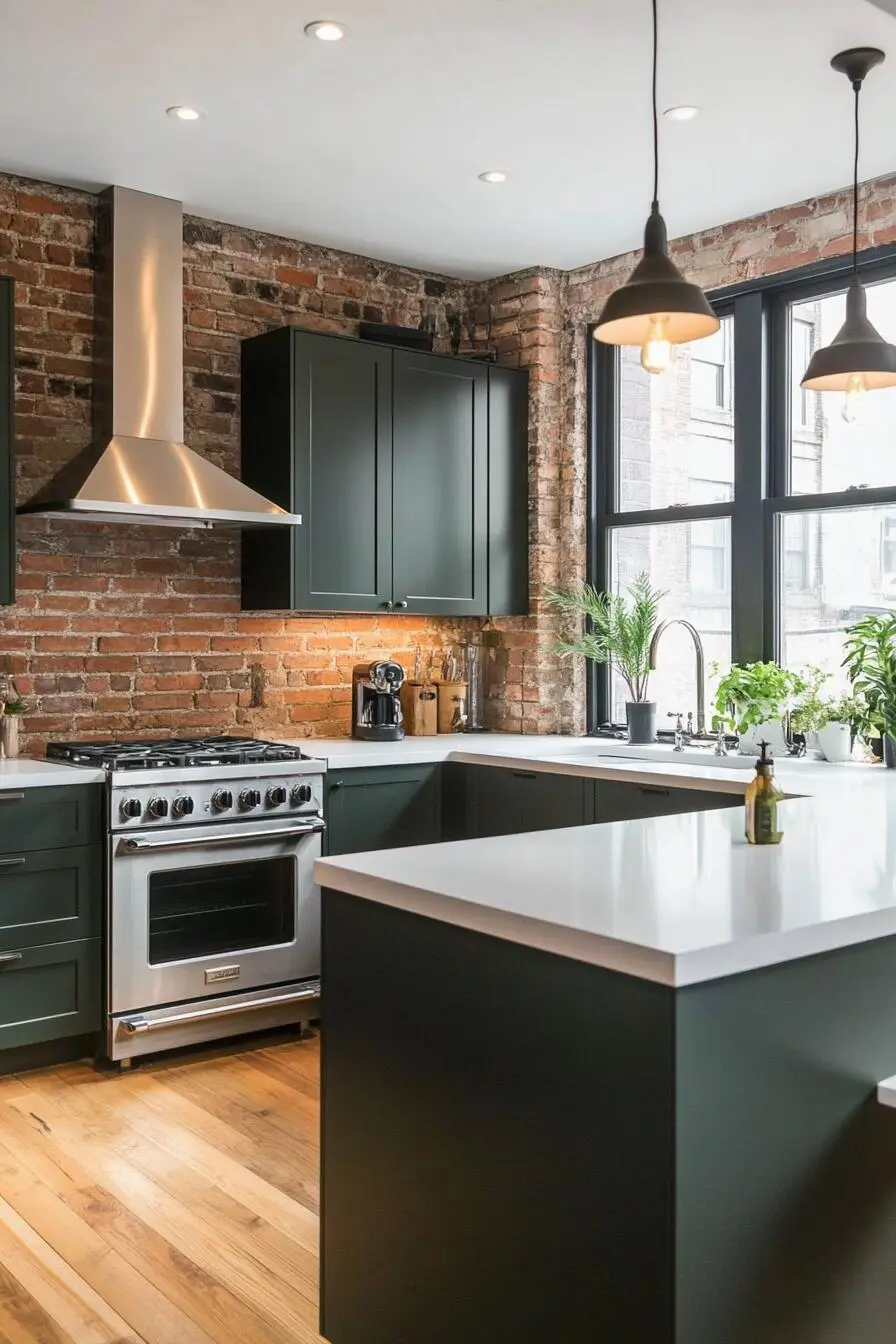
[[130, 630], [123, 631]]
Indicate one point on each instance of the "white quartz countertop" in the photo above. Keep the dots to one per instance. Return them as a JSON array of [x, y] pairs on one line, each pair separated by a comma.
[[679, 899], [25, 773]]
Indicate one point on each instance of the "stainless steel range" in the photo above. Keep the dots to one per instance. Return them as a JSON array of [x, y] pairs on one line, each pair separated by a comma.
[[213, 917]]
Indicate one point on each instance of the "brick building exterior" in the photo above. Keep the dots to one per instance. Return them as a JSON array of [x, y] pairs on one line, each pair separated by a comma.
[[139, 630]]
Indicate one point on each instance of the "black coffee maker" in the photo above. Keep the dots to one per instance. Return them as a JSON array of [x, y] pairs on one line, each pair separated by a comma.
[[376, 707]]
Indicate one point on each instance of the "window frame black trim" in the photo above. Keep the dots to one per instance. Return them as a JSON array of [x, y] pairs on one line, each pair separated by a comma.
[[762, 443]]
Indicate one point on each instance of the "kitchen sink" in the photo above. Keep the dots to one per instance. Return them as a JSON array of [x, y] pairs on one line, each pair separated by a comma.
[[667, 755]]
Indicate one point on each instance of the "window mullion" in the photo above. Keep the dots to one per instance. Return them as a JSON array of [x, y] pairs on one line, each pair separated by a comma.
[[749, 582]]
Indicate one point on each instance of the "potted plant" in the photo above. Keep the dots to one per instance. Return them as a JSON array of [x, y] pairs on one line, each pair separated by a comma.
[[870, 664], [810, 709], [11, 711], [753, 698], [618, 629], [846, 718]]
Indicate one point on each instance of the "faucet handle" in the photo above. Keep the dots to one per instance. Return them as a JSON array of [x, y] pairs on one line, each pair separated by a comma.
[[674, 714]]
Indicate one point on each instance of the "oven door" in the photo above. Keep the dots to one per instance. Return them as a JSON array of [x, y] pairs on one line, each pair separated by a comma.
[[199, 911]]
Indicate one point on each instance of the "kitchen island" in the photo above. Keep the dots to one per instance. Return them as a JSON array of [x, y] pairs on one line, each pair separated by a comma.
[[615, 1083]]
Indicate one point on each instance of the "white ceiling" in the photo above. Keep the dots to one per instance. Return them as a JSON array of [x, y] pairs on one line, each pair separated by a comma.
[[374, 144]]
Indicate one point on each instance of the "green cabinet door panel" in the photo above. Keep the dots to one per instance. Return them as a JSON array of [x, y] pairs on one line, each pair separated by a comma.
[[616, 800], [50, 896], [508, 491], [504, 801], [382, 808], [7, 466], [50, 818], [440, 485], [47, 993]]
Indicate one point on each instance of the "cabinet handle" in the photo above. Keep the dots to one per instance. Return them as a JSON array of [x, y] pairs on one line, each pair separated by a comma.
[[12, 863], [524, 774], [11, 797], [337, 784], [10, 956], [660, 793], [402, 606], [388, 605]]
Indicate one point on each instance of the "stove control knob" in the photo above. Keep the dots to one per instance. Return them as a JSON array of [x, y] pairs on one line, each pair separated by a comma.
[[131, 807], [222, 800], [250, 798], [182, 806], [276, 796], [306, 793], [157, 807]]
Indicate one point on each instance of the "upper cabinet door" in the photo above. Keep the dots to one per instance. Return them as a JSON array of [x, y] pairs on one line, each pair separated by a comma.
[[440, 485], [343, 474], [7, 471]]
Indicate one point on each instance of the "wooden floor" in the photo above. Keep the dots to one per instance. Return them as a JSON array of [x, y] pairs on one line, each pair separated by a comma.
[[176, 1204]]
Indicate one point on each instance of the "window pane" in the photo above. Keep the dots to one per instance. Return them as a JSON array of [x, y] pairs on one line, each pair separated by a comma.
[[838, 566], [677, 429], [826, 452], [692, 563]]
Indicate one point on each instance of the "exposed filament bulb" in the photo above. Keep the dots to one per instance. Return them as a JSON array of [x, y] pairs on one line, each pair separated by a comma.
[[656, 352]]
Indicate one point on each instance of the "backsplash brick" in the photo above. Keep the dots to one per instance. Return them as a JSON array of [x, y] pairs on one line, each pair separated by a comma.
[[139, 630]]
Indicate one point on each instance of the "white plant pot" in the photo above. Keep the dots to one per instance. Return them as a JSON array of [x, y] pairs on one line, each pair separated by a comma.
[[772, 733], [835, 740]]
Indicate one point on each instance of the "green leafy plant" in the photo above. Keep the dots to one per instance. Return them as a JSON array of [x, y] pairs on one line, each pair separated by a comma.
[[811, 710], [618, 628], [754, 693], [870, 664], [16, 706]]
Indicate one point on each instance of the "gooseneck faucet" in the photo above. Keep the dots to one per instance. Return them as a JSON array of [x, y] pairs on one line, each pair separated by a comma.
[[701, 665]]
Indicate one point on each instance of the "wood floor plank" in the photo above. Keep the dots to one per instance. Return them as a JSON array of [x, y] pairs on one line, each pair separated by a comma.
[[173, 1205]]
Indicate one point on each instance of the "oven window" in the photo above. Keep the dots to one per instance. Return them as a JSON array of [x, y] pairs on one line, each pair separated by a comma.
[[227, 907]]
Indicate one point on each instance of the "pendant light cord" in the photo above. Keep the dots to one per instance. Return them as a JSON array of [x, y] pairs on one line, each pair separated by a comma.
[[656, 122], [857, 86]]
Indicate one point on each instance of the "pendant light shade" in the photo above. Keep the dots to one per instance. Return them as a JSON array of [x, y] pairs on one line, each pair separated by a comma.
[[858, 350], [657, 307], [656, 291], [858, 359]]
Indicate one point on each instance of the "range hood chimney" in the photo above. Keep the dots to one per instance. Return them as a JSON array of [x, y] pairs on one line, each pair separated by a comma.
[[138, 470]]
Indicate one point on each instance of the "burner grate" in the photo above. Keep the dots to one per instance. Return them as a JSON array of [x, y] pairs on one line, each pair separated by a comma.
[[173, 753]]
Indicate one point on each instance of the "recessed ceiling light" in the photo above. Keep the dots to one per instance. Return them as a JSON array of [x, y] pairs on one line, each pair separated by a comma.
[[684, 113], [493, 175], [184, 113], [326, 30]]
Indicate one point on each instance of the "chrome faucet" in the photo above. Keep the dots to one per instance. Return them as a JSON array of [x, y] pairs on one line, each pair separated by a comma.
[[701, 665]]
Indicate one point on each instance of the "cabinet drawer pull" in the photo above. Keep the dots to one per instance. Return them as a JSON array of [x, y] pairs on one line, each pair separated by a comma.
[[8, 797], [12, 863], [524, 774], [648, 788], [337, 784], [401, 605], [9, 956]]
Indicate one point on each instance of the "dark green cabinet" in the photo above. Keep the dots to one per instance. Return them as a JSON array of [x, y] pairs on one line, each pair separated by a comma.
[[51, 920], [50, 992], [508, 801], [440, 489], [619, 800], [383, 807], [7, 467], [410, 471]]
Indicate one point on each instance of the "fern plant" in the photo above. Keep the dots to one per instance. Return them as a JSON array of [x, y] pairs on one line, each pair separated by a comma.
[[870, 664], [617, 628]]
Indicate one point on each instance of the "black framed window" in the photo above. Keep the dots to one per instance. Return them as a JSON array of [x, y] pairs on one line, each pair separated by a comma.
[[769, 522]]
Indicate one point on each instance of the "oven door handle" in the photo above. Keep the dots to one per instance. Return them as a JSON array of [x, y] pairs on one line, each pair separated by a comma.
[[136, 1026], [134, 845]]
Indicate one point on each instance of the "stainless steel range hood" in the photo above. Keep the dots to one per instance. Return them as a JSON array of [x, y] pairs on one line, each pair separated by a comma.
[[138, 470]]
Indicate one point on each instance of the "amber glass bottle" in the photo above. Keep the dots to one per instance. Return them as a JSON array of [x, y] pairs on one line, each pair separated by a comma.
[[762, 799]]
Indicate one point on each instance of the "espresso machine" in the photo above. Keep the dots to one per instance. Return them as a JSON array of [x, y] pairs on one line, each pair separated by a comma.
[[376, 707]]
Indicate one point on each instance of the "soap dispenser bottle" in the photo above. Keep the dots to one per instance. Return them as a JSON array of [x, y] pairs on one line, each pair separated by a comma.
[[762, 798]]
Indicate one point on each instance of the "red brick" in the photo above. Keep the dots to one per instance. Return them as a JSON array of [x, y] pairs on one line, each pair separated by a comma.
[[289, 275]]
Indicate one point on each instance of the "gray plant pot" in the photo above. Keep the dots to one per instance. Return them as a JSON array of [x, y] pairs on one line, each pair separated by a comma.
[[641, 719], [890, 753]]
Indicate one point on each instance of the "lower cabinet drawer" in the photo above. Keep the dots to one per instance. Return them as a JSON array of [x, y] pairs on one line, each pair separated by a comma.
[[620, 801], [50, 818], [50, 896], [50, 992]]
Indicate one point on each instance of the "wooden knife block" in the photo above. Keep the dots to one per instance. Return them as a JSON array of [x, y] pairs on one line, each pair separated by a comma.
[[420, 707]]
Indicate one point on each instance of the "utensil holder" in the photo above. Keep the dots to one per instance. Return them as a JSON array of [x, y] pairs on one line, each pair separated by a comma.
[[452, 696]]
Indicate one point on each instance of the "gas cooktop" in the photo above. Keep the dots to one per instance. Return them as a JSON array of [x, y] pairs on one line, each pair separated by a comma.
[[174, 753]]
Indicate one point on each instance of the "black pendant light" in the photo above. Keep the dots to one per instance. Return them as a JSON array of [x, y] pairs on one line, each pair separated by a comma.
[[858, 359], [657, 307]]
